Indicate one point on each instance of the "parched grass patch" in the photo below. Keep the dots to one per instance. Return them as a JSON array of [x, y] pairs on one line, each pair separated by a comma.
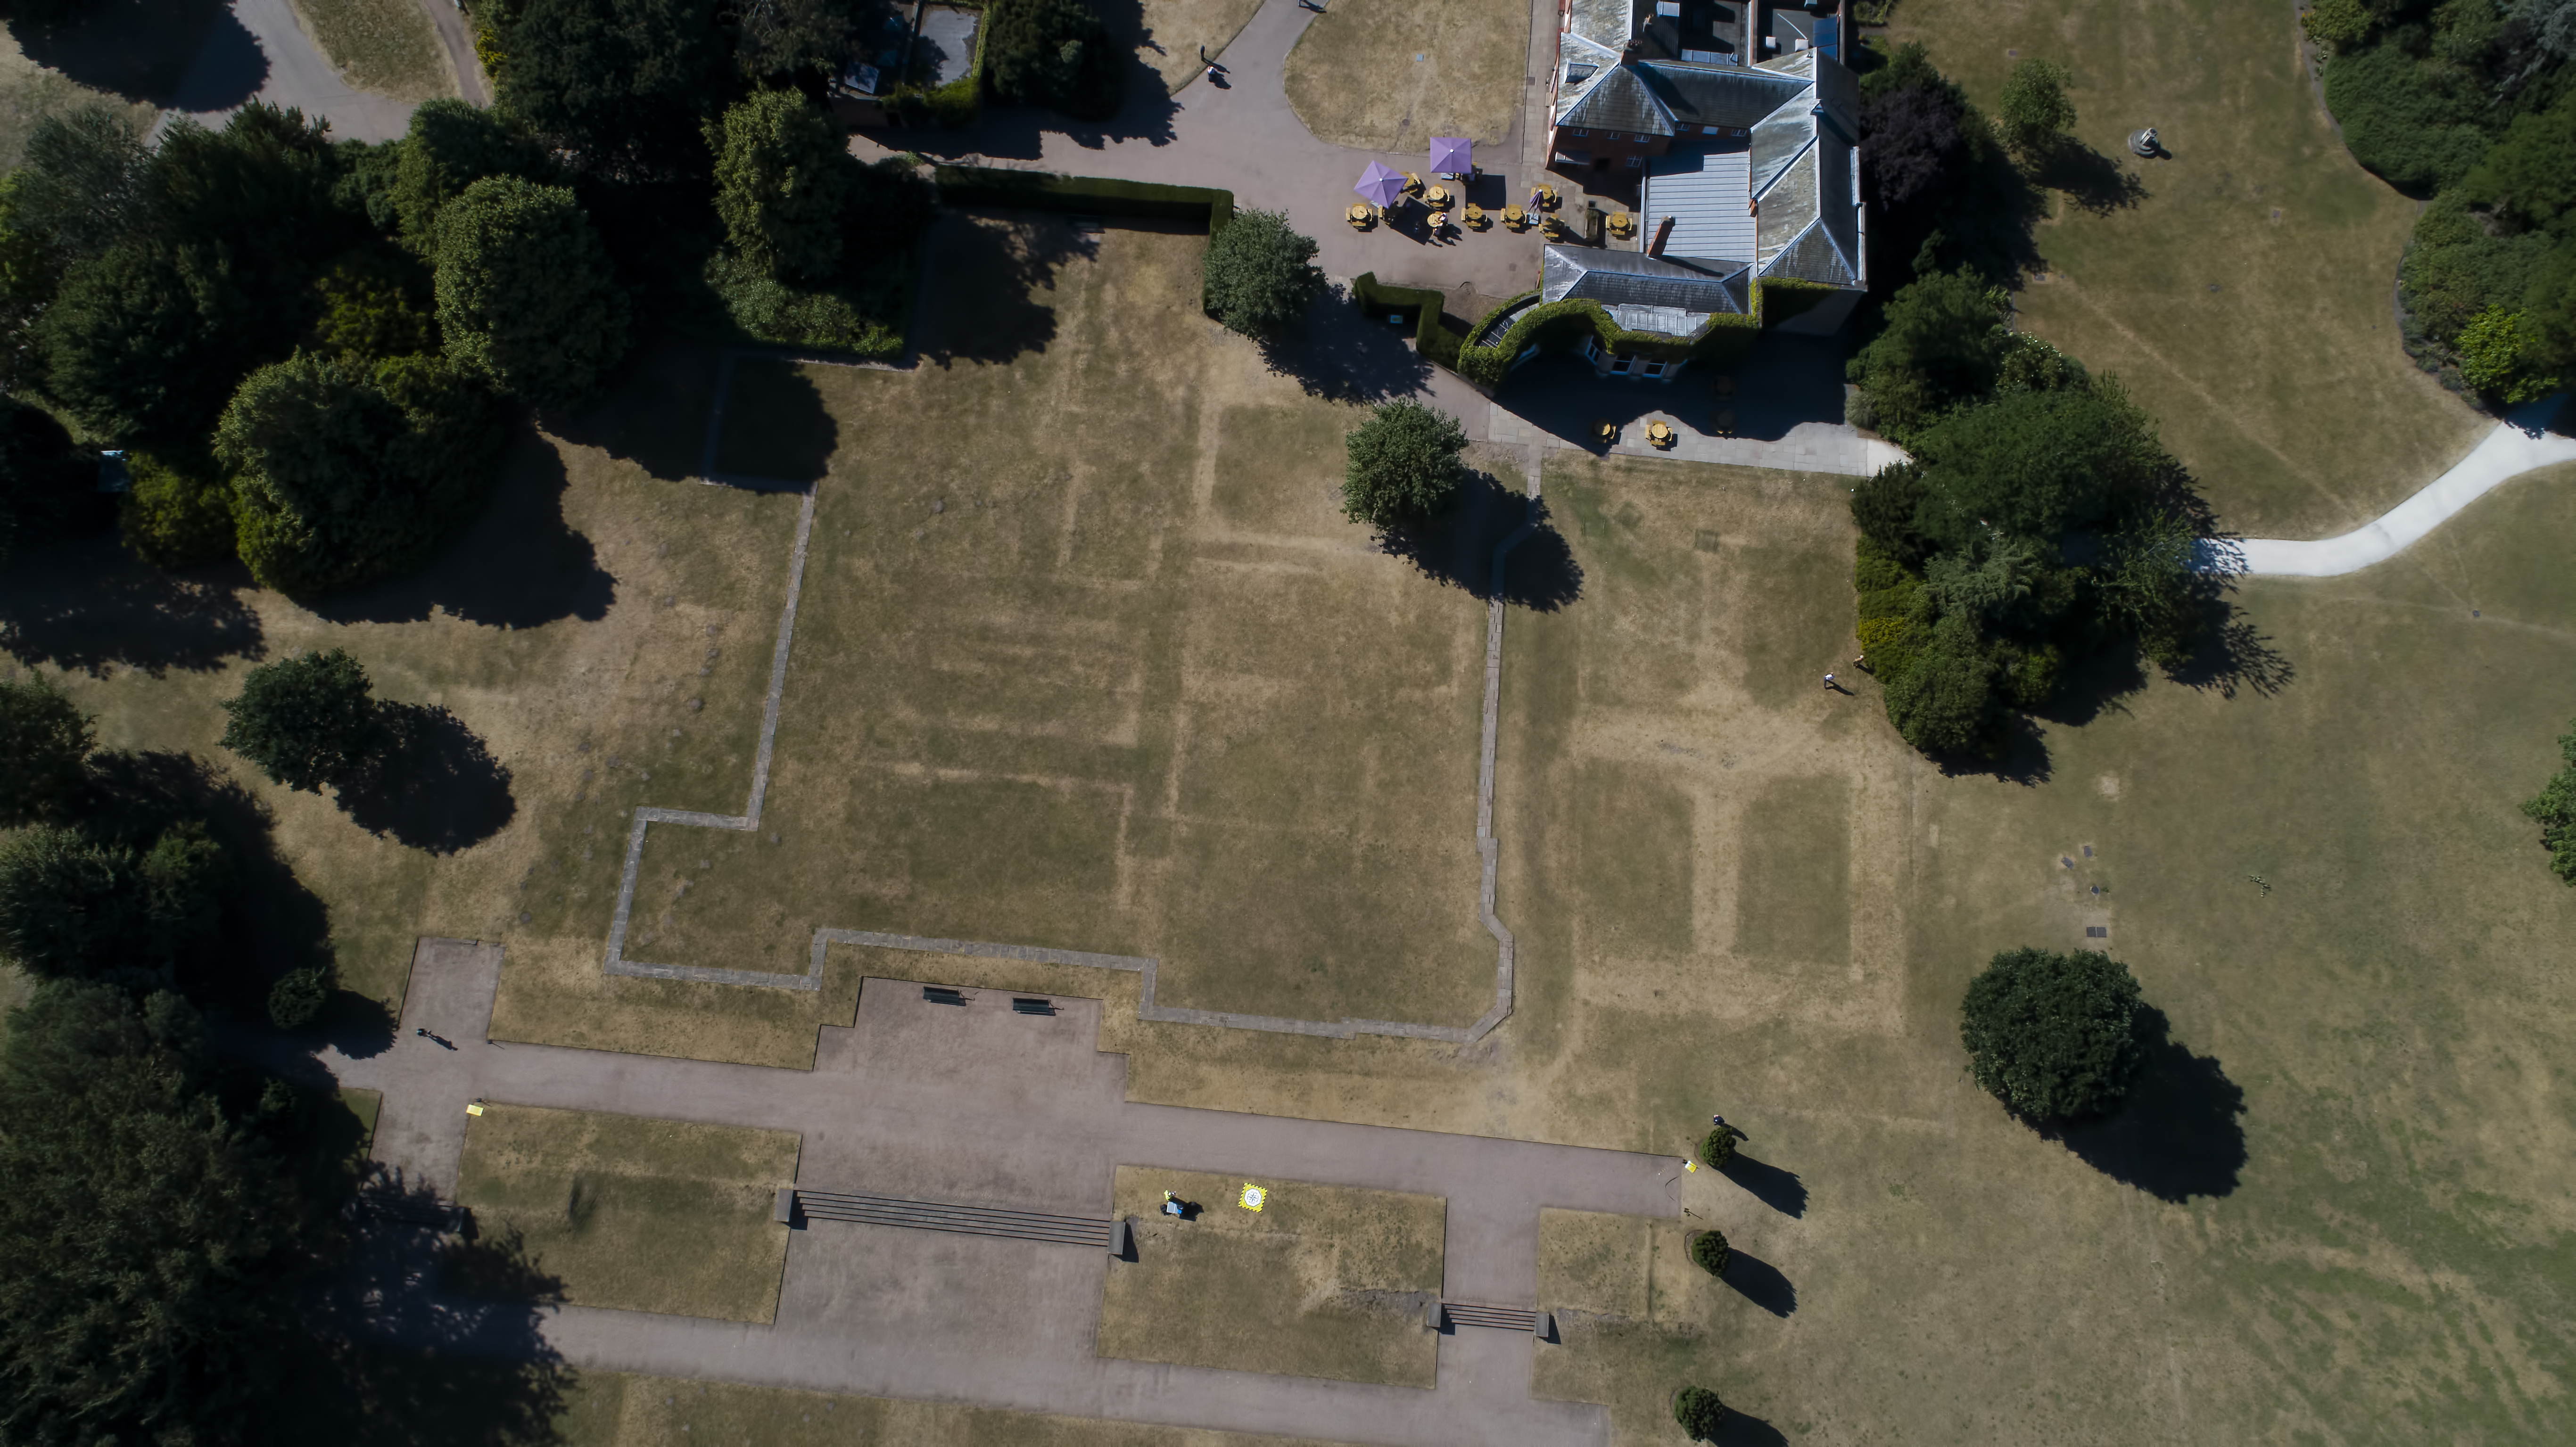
[[1388, 75], [611, 1409], [1632, 1316], [30, 92], [1173, 32], [2246, 296], [1323, 1281], [646, 1215], [386, 46], [1115, 677]]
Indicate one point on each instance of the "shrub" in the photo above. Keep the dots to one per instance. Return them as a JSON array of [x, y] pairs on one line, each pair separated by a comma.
[[2034, 110], [306, 721], [2053, 1036], [43, 739], [837, 319], [525, 294], [1708, 1252], [346, 472], [1942, 700], [1718, 1146], [449, 146], [2414, 123], [2460, 263], [1260, 274], [784, 181], [2554, 810], [297, 998], [2339, 25], [1700, 1413], [1053, 53], [179, 512], [1402, 464], [1942, 346], [2498, 349]]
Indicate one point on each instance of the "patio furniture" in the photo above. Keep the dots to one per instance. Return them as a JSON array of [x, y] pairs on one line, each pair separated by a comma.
[[1660, 433], [1436, 197], [1514, 217], [1452, 156], [1439, 220], [1544, 198], [1725, 422], [1380, 186], [1607, 432], [1475, 217], [1623, 225], [1412, 183]]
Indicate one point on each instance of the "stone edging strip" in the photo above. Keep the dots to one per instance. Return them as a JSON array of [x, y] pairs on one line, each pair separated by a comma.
[[1487, 847]]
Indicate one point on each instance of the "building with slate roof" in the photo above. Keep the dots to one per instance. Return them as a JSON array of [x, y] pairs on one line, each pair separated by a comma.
[[1740, 125]]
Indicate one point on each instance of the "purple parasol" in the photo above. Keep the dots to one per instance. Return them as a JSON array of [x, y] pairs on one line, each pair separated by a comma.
[[1380, 186], [1452, 156]]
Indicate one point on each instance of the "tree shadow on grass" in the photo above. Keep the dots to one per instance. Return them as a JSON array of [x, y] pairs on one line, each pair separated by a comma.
[[1339, 353], [1761, 1283], [775, 434], [1780, 1190], [272, 922], [2092, 182], [1457, 547], [2179, 1133], [656, 415], [518, 564], [982, 285], [2232, 657], [78, 600], [1742, 1429], [434, 786], [192, 55]]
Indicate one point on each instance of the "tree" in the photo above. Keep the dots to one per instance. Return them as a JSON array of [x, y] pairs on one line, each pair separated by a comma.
[[306, 721], [296, 1000], [1943, 703], [74, 907], [1708, 1251], [2497, 350], [450, 145], [1942, 346], [622, 84], [1402, 464], [1260, 275], [43, 739], [145, 1241], [1700, 1413], [2554, 810], [41, 479], [1913, 159], [2150, 585], [81, 184], [2035, 111], [1718, 1146], [2037, 464], [345, 472], [2053, 1036], [373, 306], [1053, 53], [525, 294], [777, 37], [179, 511], [785, 181]]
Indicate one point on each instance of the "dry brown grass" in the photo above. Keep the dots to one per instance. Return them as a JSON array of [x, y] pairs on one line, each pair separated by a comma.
[[1323, 1281], [2246, 297], [386, 46], [1174, 32], [609, 1409], [644, 1215], [1355, 81]]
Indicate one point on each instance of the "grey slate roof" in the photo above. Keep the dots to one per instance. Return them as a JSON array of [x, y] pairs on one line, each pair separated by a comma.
[[1718, 95], [1632, 278], [1705, 194], [1619, 99]]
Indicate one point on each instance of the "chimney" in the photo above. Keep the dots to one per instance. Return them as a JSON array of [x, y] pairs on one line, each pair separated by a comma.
[[1663, 233]]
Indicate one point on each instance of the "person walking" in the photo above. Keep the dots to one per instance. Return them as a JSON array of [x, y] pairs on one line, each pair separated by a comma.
[[1830, 685]]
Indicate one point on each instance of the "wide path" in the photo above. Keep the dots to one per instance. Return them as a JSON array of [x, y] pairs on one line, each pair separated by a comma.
[[297, 75], [2523, 441], [986, 1106]]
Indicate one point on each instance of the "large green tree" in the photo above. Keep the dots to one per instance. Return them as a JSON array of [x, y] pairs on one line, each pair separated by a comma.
[[43, 739], [2054, 1036], [75, 907], [1942, 346], [306, 721], [1700, 1412], [345, 472], [1260, 274], [623, 85], [2034, 108], [525, 293], [451, 145], [2554, 810], [1401, 464], [1054, 53], [785, 181], [145, 1240]]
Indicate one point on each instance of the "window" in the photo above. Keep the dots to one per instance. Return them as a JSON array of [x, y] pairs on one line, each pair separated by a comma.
[[1618, 364], [1712, 130], [1654, 369], [1636, 163], [1577, 131]]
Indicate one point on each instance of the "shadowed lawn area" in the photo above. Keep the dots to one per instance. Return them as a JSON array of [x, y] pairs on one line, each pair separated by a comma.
[[1354, 78], [1323, 1281], [386, 46], [646, 1215], [2245, 291], [608, 1409]]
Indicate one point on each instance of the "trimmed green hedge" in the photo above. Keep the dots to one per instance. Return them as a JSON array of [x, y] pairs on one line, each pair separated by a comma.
[[1047, 191], [1561, 324], [1431, 336]]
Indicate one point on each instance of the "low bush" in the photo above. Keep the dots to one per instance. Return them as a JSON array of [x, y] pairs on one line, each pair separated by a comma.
[[1708, 1252], [2554, 810], [296, 1000], [837, 319], [1432, 338], [1090, 195], [1700, 1413], [2417, 124], [179, 512]]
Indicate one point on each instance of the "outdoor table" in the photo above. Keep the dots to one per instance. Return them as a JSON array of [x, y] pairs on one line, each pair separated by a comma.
[[1475, 216], [1622, 224], [1439, 219], [1513, 218], [1607, 431], [1544, 198], [1412, 182], [1358, 215], [1436, 196], [1659, 433]]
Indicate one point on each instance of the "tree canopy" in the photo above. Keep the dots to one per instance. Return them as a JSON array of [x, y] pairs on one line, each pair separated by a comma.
[[306, 721], [145, 1240], [1260, 274], [1700, 1413], [76, 907], [2034, 109], [1942, 345], [1402, 464], [451, 144], [621, 84], [1053, 53], [2554, 810], [525, 293], [43, 738], [785, 180], [1709, 1252], [2053, 1036]]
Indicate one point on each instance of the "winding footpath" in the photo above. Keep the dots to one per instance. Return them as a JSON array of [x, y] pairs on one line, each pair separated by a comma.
[[2523, 441]]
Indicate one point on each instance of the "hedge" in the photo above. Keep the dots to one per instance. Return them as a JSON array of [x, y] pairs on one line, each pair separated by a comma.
[[1431, 337], [1560, 324], [1047, 191]]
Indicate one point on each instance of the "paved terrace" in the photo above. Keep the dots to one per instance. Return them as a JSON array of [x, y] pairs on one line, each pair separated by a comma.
[[984, 1106]]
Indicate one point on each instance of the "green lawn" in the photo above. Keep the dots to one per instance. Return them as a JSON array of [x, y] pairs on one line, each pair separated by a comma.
[[2246, 296]]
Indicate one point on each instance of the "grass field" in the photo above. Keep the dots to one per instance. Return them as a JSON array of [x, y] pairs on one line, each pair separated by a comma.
[[1174, 31], [386, 46], [2246, 293], [647, 1215], [607, 1409], [1634, 1315], [1323, 1281], [30, 92], [1388, 75]]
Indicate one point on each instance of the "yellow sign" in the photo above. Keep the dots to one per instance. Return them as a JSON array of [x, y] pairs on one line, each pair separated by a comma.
[[1253, 1196], [475, 1108]]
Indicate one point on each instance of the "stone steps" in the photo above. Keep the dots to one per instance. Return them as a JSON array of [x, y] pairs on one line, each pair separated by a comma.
[[1501, 1318], [1096, 1232]]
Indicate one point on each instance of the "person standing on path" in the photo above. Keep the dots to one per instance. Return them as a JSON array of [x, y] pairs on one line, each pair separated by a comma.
[[1830, 685]]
